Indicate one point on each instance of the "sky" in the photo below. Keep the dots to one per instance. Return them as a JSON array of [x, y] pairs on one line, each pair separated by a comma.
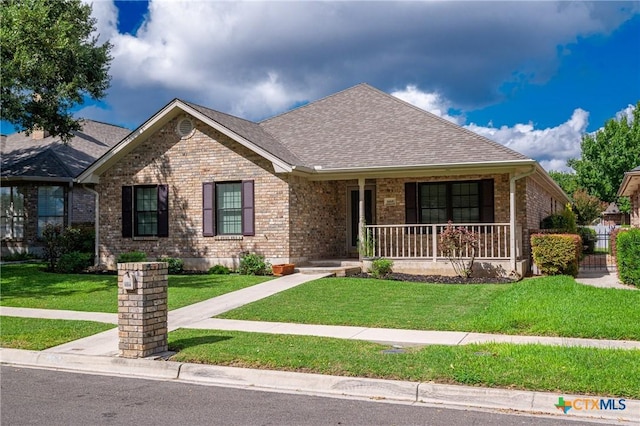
[[534, 76]]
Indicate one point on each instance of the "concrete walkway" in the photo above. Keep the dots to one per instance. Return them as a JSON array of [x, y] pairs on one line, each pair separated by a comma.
[[98, 354], [602, 279]]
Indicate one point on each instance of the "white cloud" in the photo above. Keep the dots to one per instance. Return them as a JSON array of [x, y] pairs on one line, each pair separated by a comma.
[[432, 102]]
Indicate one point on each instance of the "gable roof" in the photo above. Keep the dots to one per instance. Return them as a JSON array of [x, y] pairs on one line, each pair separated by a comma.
[[363, 127], [26, 158]]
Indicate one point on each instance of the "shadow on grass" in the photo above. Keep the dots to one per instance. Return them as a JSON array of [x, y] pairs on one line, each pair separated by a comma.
[[190, 342]]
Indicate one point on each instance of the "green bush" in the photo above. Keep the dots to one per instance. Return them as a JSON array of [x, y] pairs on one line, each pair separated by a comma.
[[381, 268], [589, 239], [176, 265], [561, 222], [132, 256], [628, 256], [613, 238], [74, 262], [59, 241], [219, 270], [556, 254], [253, 264]]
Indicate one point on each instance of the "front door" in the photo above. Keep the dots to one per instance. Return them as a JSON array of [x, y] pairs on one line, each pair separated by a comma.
[[354, 197]]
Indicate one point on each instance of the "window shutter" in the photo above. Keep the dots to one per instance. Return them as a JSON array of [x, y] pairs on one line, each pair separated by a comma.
[[411, 202], [248, 210], [208, 209], [163, 210], [127, 211], [486, 188]]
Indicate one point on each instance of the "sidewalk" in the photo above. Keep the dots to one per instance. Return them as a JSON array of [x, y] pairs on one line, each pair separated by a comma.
[[98, 354]]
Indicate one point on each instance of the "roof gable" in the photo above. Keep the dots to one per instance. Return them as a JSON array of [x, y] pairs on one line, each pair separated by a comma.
[[364, 127]]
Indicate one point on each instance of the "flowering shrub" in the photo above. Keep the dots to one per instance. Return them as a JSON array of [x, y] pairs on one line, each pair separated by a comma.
[[459, 245]]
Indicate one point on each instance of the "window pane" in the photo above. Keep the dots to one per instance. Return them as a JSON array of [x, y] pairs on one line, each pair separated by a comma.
[[465, 202], [50, 206], [146, 214], [433, 202], [229, 208]]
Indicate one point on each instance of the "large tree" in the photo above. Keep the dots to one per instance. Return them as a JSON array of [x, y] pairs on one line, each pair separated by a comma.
[[51, 62], [607, 155], [567, 181]]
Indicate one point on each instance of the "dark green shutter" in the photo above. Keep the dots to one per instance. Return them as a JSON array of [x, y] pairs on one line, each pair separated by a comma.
[[127, 211]]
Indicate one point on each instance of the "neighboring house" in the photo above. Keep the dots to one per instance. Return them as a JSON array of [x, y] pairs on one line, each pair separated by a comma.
[[205, 186], [612, 216], [630, 187], [37, 182]]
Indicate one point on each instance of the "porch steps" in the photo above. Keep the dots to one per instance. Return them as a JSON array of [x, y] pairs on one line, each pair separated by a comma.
[[338, 268]]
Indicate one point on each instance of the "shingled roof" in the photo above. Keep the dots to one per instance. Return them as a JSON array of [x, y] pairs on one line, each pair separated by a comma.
[[365, 127], [28, 158]]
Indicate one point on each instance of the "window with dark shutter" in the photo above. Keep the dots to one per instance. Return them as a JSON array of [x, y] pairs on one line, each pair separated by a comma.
[[145, 211], [228, 208]]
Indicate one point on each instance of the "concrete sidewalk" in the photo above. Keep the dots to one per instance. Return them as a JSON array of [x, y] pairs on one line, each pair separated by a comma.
[[602, 279]]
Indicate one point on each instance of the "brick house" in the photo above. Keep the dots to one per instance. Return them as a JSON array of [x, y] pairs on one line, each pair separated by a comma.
[[37, 182], [205, 186], [630, 187]]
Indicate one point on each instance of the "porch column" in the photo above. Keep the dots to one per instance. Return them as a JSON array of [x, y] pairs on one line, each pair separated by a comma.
[[512, 220], [361, 217]]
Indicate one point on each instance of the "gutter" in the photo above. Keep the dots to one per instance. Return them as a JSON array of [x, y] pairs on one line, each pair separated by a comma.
[[96, 221]]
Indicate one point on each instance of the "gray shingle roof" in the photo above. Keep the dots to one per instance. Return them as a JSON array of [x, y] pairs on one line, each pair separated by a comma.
[[250, 131], [23, 156], [364, 127]]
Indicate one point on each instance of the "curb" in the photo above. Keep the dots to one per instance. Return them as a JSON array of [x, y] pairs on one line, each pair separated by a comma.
[[452, 396]]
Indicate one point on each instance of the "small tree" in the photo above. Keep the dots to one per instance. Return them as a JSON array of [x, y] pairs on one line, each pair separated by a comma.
[[588, 208], [459, 245]]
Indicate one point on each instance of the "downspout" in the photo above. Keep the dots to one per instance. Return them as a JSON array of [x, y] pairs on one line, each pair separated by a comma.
[[512, 213], [96, 222], [361, 220]]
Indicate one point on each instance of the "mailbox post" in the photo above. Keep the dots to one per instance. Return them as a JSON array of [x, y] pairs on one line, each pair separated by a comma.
[[142, 309]]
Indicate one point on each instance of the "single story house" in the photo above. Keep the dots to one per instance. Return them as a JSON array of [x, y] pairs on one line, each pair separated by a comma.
[[630, 187], [37, 182], [308, 184]]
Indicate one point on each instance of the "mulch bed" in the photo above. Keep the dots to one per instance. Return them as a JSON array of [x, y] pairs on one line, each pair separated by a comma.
[[439, 279]]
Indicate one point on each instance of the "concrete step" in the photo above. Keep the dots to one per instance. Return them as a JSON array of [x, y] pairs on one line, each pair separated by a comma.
[[338, 271]]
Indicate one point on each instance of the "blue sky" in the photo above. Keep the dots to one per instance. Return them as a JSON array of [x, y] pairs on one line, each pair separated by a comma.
[[534, 76]]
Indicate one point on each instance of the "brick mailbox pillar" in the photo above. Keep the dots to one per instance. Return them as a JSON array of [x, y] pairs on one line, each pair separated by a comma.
[[142, 309]]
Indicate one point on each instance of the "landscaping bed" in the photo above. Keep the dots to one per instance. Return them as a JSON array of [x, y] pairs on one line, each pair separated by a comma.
[[439, 279]]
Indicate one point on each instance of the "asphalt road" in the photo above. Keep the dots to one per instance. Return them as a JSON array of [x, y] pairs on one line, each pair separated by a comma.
[[44, 397]]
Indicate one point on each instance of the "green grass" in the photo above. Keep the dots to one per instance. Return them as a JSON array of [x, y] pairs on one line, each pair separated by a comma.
[[28, 286], [548, 306], [604, 372], [37, 334]]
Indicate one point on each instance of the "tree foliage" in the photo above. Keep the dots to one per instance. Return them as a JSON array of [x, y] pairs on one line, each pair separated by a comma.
[[607, 155], [587, 207], [50, 63], [567, 181]]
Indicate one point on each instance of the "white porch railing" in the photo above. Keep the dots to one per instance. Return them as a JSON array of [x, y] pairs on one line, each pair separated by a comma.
[[423, 241]]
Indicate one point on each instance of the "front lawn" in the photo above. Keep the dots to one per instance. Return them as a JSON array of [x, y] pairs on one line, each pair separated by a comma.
[[547, 306], [603, 372], [38, 334], [28, 286]]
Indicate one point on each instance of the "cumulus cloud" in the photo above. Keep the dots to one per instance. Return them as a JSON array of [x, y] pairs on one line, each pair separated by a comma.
[[432, 102], [258, 58]]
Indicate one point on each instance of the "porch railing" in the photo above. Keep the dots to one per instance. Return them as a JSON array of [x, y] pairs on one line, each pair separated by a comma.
[[423, 241]]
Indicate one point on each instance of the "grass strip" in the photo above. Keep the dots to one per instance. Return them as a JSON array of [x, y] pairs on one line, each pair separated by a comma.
[[29, 286], [589, 371], [547, 306], [37, 334]]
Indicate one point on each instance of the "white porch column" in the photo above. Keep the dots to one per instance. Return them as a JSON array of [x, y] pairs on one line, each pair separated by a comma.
[[512, 220], [361, 217]]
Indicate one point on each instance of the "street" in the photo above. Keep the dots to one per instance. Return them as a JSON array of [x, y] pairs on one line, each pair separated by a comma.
[[32, 396]]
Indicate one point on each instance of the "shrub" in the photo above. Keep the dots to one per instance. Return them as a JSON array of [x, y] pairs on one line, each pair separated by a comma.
[[59, 241], [176, 265], [562, 222], [556, 254], [381, 268], [52, 237], [628, 259], [613, 237], [253, 264], [589, 239], [459, 245], [219, 270], [74, 262], [132, 256]]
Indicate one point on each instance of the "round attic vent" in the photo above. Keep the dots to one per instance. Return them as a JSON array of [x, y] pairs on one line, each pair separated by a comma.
[[184, 128]]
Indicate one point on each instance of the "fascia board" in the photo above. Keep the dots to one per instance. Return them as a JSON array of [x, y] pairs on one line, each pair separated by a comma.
[[36, 179], [626, 188]]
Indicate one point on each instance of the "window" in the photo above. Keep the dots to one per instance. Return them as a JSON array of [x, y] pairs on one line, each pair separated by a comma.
[[227, 208], [457, 201], [145, 211], [51, 203], [12, 215]]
